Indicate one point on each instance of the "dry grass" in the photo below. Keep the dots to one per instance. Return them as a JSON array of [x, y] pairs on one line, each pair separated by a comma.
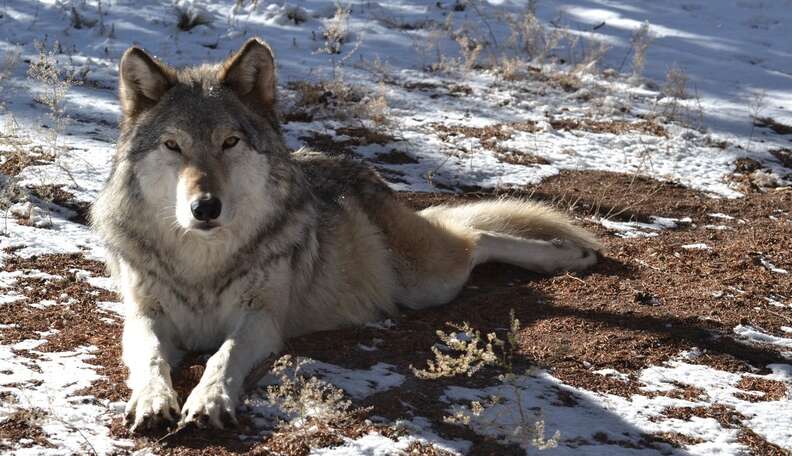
[[472, 353], [339, 100], [317, 414], [530, 36], [9, 62], [465, 352], [189, 17], [336, 30], [639, 43]]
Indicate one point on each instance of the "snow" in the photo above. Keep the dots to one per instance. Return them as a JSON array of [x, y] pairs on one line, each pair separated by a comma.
[[772, 267], [360, 383], [697, 246], [50, 383], [643, 229], [613, 373], [626, 419], [683, 157], [736, 55], [756, 335]]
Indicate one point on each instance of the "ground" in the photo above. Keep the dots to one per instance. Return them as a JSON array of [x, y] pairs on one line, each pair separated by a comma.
[[677, 342]]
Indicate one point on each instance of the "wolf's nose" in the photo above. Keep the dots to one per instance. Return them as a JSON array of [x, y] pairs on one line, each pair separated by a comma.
[[206, 208]]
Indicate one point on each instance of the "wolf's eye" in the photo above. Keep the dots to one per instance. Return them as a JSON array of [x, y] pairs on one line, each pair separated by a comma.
[[230, 142], [172, 145]]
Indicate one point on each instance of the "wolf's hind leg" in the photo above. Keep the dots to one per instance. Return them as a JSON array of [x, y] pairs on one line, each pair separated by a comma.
[[432, 259], [436, 249]]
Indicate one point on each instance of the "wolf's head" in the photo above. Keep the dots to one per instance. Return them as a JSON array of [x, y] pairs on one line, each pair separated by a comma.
[[200, 142]]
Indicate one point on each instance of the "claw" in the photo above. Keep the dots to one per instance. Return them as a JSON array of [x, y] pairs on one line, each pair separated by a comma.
[[150, 407]]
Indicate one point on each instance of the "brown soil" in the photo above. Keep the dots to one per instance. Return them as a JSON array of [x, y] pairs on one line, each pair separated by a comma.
[[572, 324], [359, 136], [57, 195], [759, 445], [78, 323], [726, 416], [518, 157], [23, 424], [395, 157], [676, 439], [363, 135], [491, 134], [784, 156], [484, 134], [772, 124], [769, 390], [16, 162], [616, 127]]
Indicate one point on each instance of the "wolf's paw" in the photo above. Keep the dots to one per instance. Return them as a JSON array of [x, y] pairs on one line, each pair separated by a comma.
[[209, 404], [572, 257], [151, 406]]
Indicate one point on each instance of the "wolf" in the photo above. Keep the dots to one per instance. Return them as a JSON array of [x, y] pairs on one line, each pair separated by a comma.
[[222, 240]]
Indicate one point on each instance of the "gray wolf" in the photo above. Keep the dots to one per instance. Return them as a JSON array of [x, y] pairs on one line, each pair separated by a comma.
[[222, 240]]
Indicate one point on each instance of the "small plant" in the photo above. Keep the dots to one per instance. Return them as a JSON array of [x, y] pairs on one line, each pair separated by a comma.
[[593, 51], [675, 90], [531, 36], [471, 50], [375, 108], [55, 84], [472, 353], [7, 65], [317, 413], [79, 21], [300, 397], [339, 100], [639, 43], [676, 84], [336, 30], [527, 429], [190, 16], [493, 414]]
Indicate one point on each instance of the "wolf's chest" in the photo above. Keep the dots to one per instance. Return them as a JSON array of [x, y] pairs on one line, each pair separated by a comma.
[[203, 321]]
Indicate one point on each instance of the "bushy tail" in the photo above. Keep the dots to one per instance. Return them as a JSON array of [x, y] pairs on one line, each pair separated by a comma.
[[514, 217]]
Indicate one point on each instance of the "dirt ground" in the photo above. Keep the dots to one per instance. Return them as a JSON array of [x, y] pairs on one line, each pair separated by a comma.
[[645, 302]]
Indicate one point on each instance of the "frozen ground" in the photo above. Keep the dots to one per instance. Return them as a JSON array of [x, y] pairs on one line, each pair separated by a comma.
[[456, 128]]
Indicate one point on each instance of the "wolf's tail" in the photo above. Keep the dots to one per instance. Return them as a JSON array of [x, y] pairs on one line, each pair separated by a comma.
[[514, 217], [446, 242]]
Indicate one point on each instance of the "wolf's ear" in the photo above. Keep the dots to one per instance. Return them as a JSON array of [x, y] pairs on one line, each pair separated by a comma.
[[251, 74], [143, 81]]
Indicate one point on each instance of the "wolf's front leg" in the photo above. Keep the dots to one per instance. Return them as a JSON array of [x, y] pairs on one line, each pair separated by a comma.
[[214, 400], [149, 353]]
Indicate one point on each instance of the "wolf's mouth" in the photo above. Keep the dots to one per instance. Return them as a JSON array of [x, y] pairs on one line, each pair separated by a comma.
[[205, 226]]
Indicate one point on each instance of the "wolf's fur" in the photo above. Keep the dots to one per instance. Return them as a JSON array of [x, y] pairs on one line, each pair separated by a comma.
[[304, 242]]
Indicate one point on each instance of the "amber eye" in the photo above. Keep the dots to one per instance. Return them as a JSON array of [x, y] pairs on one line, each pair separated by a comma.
[[230, 142], [172, 145]]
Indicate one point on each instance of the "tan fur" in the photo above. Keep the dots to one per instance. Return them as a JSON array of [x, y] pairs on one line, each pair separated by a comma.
[[521, 218], [200, 179]]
